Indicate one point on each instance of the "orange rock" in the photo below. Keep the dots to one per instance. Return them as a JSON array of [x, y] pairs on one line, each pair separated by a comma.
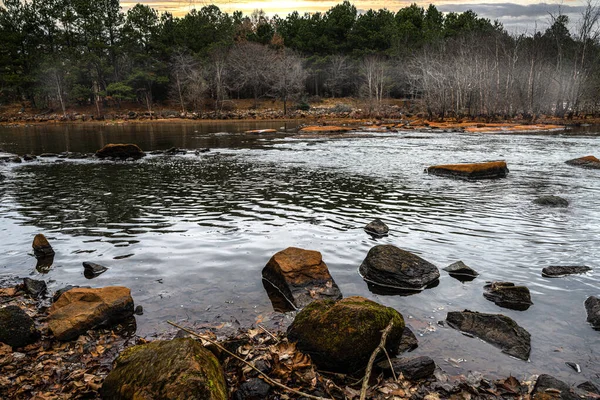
[[261, 131], [485, 170], [585, 162], [80, 309], [41, 246], [8, 292], [325, 129]]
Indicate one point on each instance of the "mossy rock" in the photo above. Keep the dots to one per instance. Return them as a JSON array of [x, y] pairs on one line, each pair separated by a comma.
[[340, 336], [17, 329], [177, 369]]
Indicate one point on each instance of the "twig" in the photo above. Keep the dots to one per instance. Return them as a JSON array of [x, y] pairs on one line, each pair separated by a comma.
[[365, 385], [265, 376], [391, 365], [268, 333]]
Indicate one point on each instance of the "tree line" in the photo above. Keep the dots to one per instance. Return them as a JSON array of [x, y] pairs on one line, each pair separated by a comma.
[[59, 53]]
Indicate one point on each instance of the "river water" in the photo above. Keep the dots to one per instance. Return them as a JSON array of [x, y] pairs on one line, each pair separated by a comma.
[[189, 234]]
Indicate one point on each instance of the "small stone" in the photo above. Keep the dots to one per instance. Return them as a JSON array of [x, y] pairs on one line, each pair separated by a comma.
[[252, 389], [408, 342], [92, 270], [139, 310], [592, 307], [41, 246], [412, 368], [507, 295], [551, 201], [377, 228], [558, 271], [34, 288], [548, 384], [17, 329], [461, 271]]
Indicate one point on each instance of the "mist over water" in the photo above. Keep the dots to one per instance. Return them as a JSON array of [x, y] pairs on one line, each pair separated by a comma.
[[190, 234]]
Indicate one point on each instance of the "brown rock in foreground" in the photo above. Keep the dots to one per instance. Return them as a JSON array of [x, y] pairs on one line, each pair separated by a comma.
[[485, 170], [585, 162], [41, 246], [301, 276], [80, 309], [122, 151]]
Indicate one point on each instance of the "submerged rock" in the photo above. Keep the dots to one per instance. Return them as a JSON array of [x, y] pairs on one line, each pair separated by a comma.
[[340, 336], [301, 276], [507, 295], [34, 288], [377, 228], [475, 171], [461, 271], [496, 329], [92, 270], [174, 369], [551, 201], [17, 329], [41, 246], [558, 271], [585, 162], [121, 151], [592, 307], [80, 309], [408, 342], [413, 369], [389, 266], [548, 385]]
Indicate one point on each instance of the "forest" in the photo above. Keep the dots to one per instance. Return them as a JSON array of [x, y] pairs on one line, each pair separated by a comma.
[[62, 53]]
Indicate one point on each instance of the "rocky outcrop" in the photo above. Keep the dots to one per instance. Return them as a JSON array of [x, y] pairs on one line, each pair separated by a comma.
[[507, 295], [92, 270], [41, 246], [175, 369], [585, 162], [558, 271], [300, 276], [340, 336], [80, 309], [377, 228], [548, 387], [496, 329], [474, 171], [592, 307], [461, 271], [551, 201], [413, 368], [120, 151], [389, 266], [17, 329]]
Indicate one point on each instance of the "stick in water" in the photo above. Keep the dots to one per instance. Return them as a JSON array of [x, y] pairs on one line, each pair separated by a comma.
[[365, 384]]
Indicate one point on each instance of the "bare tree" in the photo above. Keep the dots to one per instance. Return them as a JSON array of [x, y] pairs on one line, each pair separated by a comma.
[[252, 65], [374, 80], [288, 76], [339, 74]]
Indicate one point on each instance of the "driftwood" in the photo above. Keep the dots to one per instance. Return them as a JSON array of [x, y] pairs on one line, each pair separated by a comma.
[[365, 384]]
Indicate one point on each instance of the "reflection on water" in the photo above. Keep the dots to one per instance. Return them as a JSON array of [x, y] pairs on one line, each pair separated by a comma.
[[190, 234]]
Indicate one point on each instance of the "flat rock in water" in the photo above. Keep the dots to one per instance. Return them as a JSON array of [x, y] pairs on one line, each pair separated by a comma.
[[389, 266], [17, 329], [252, 389], [507, 295], [34, 288], [340, 336], [585, 162], [409, 341], [300, 276], [121, 151], [413, 368], [377, 227], [496, 329], [92, 270], [474, 171], [80, 309], [41, 246], [461, 271], [548, 385], [551, 201], [180, 369], [592, 307], [558, 271]]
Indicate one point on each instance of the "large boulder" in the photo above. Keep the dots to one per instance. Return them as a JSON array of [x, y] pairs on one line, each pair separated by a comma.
[[121, 151], [41, 246], [558, 271], [80, 309], [17, 329], [340, 336], [592, 307], [389, 266], [548, 387], [496, 329], [508, 295], [177, 369], [300, 276], [475, 171], [585, 162]]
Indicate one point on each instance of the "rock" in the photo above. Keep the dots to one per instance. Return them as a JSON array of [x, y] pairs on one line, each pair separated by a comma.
[[413, 369], [16, 327], [545, 382], [252, 389], [16, 160], [261, 131], [408, 342], [59, 292], [301, 276], [485, 170], [80, 309], [325, 129], [592, 307], [174, 151], [496, 329], [121, 151], [34, 288], [589, 387], [41, 246], [461, 271], [551, 201], [558, 271], [340, 336], [48, 155], [44, 263], [507, 295], [389, 266], [92, 270], [377, 228], [585, 162], [139, 310], [29, 157], [180, 369]]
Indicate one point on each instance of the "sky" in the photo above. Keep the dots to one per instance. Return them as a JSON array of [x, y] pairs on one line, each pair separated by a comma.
[[518, 16]]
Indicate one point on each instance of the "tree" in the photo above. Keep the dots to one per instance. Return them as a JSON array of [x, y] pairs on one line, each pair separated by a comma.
[[288, 76]]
